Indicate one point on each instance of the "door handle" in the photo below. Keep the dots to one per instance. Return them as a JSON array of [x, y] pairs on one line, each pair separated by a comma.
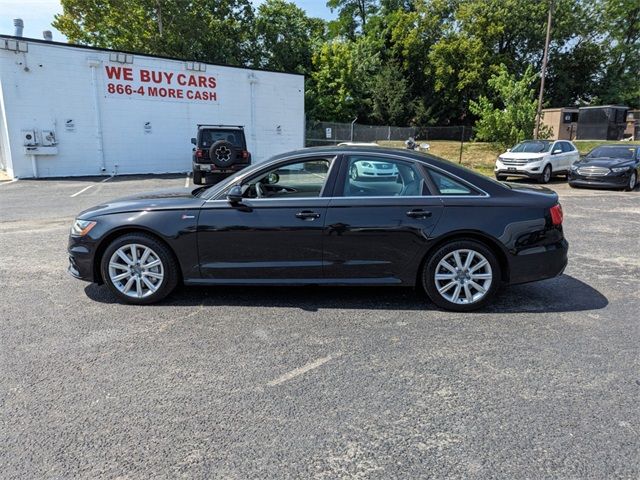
[[307, 215], [418, 213]]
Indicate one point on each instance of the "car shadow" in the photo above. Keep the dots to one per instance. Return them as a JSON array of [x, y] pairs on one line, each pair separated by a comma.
[[561, 294]]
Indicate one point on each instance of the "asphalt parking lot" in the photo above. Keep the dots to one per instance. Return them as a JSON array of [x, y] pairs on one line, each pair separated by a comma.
[[316, 382]]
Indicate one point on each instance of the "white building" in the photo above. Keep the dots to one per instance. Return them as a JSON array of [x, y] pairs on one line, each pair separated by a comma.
[[69, 110]]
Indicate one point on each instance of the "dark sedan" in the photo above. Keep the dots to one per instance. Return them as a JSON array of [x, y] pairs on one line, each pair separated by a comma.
[[302, 219], [608, 166]]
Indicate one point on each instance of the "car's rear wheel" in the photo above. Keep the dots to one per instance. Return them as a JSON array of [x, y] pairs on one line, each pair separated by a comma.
[[198, 177], [139, 269], [633, 179], [462, 275], [545, 177]]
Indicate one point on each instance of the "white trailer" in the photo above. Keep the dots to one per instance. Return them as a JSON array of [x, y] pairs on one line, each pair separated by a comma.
[[69, 110]]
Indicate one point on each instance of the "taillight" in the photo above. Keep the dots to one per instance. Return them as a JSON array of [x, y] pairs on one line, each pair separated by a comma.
[[556, 214], [245, 154], [199, 153]]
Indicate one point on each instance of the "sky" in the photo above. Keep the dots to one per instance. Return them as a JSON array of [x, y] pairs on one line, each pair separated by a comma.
[[38, 15]]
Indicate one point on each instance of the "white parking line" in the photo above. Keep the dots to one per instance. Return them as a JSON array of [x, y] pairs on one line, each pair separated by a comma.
[[299, 371], [9, 181], [90, 186], [186, 182]]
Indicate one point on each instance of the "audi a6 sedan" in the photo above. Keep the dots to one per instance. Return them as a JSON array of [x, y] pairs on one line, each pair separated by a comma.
[[302, 219]]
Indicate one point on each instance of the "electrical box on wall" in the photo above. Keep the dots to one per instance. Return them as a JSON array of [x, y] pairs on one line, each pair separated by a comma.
[[48, 138], [29, 138]]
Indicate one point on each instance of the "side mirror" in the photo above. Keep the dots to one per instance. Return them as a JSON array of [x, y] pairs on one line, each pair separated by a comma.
[[508, 149], [235, 195], [556, 151], [193, 140]]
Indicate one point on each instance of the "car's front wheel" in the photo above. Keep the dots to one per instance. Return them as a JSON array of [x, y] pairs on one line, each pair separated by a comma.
[[461, 275], [139, 269], [633, 179], [353, 172], [545, 177]]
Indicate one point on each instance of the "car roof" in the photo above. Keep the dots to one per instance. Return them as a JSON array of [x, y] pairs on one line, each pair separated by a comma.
[[221, 127]]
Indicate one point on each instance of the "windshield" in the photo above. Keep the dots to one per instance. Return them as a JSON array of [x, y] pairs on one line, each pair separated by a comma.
[[625, 153], [532, 146]]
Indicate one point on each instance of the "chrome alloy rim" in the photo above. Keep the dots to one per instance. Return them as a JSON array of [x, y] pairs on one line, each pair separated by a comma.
[[354, 172], [463, 276], [136, 270], [547, 174], [632, 181]]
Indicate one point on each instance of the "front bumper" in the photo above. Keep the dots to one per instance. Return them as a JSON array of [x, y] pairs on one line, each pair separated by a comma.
[[81, 265], [530, 170], [539, 263], [620, 180]]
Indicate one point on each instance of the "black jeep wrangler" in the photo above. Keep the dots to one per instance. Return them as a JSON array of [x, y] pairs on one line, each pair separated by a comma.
[[220, 151]]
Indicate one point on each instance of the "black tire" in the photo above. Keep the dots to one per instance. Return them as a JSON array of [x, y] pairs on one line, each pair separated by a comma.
[[353, 173], [169, 267], [573, 185], [198, 177], [431, 265], [222, 154], [632, 185], [546, 175], [501, 178]]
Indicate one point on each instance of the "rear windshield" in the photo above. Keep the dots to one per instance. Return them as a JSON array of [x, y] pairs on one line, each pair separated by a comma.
[[209, 137], [532, 147], [612, 152]]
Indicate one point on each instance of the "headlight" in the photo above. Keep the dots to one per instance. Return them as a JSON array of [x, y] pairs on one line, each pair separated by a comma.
[[531, 160], [366, 164], [620, 169], [81, 227]]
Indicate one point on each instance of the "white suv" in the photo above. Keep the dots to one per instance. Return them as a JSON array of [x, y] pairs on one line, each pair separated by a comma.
[[538, 159]]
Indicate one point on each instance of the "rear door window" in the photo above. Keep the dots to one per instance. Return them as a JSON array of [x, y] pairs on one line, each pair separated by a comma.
[[449, 186], [375, 176]]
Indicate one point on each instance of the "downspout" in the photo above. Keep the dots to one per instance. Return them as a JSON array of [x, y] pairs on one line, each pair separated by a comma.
[[94, 64], [252, 85]]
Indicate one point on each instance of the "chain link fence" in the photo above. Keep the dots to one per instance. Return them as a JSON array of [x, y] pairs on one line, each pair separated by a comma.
[[332, 133]]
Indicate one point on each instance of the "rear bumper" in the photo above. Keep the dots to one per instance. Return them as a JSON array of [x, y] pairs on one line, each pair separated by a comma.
[[539, 263], [211, 168]]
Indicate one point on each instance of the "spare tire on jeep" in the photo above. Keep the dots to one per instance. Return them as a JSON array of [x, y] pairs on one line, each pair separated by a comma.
[[222, 153]]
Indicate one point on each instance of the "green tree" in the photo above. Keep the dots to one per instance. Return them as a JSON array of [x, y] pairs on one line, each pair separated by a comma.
[[352, 15], [285, 37], [620, 82], [217, 31], [390, 98], [512, 118]]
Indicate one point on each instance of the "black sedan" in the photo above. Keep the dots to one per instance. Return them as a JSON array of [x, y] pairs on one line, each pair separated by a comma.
[[608, 166], [302, 219]]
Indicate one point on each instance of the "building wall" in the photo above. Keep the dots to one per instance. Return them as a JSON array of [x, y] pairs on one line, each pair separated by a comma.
[[51, 87]]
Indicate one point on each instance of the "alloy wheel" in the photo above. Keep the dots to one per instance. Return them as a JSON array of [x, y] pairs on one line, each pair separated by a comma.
[[463, 276], [632, 181], [354, 172], [546, 174], [136, 270]]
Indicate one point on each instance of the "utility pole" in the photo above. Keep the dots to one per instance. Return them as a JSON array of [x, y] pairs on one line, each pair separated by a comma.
[[545, 55], [159, 11]]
